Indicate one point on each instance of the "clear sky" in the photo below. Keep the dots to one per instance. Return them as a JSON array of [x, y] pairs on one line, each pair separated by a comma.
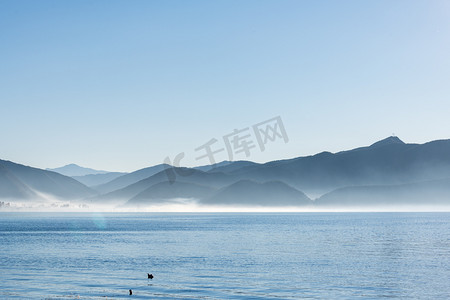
[[120, 85]]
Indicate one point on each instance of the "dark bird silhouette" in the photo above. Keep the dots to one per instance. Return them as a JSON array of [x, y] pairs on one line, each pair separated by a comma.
[[150, 276], [131, 292]]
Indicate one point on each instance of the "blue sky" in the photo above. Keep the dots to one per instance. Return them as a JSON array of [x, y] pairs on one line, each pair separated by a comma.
[[120, 85]]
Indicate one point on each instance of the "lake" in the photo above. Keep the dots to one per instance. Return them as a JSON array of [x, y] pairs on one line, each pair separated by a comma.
[[224, 255]]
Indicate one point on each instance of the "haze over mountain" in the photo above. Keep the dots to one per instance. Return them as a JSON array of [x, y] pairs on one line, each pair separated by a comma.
[[207, 168], [386, 162], [212, 180], [386, 172], [75, 170], [230, 167], [249, 193], [130, 178], [12, 188], [98, 179], [27, 183], [389, 161], [164, 191], [436, 192]]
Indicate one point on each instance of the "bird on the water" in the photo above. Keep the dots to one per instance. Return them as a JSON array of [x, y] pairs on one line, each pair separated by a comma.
[[131, 292], [150, 276]]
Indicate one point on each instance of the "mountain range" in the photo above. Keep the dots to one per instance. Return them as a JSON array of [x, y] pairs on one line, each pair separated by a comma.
[[388, 172], [19, 182], [76, 170]]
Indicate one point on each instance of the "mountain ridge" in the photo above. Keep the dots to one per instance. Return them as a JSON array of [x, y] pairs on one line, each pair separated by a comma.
[[388, 162], [75, 170], [34, 182]]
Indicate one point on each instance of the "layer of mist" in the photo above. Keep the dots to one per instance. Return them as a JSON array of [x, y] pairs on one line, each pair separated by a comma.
[[193, 206]]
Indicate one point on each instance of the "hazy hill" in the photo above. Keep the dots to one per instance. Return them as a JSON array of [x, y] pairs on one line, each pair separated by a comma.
[[12, 188], [130, 178], [386, 162], [75, 170], [164, 191], [23, 182], [389, 161], [233, 166], [97, 179], [435, 192], [207, 168], [388, 169], [212, 180], [249, 193]]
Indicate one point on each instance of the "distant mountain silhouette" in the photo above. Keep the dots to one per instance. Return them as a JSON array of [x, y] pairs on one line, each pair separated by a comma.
[[389, 161], [200, 185], [212, 180], [163, 191], [386, 162], [25, 183], [136, 176], [249, 193], [390, 170], [233, 166], [226, 166], [387, 141], [419, 193], [130, 178], [97, 179], [207, 168], [76, 170], [12, 188]]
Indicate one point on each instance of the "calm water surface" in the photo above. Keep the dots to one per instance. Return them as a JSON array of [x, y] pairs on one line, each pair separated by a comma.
[[225, 256]]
